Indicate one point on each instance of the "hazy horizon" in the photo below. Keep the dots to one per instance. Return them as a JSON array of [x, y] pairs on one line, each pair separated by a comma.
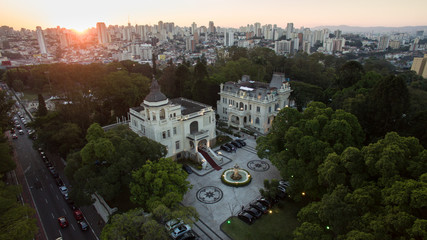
[[81, 15]]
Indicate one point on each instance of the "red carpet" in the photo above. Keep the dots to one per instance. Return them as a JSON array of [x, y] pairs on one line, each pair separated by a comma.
[[209, 159]]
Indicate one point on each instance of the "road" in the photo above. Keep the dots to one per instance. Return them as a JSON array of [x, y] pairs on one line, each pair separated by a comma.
[[47, 198]]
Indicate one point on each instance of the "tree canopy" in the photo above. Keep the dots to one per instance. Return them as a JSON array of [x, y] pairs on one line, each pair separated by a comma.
[[159, 182], [105, 163]]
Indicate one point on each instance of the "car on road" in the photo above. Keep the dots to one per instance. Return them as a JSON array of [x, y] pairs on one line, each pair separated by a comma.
[[18, 127], [14, 136], [187, 168], [83, 225], [225, 148], [254, 212], [259, 206], [246, 217], [63, 190], [243, 143], [180, 230], [12, 131], [63, 222], [21, 132], [78, 215]]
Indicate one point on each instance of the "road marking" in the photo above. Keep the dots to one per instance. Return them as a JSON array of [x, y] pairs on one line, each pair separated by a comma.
[[27, 169], [57, 197], [60, 233], [64, 211], [46, 201], [52, 216], [73, 227], [37, 179]]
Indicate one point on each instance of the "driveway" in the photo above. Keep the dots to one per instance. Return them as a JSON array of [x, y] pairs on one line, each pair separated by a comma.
[[214, 201]]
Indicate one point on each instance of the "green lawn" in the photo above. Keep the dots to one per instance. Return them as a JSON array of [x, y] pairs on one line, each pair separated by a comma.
[[29, 95], [278, 225]]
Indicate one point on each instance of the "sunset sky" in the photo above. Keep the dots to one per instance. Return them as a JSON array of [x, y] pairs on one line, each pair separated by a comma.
[[82, 14]]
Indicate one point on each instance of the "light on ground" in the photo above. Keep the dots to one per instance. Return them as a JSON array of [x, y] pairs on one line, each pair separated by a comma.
[[228, 221], [270, 211], [327, 227], [303, 193]]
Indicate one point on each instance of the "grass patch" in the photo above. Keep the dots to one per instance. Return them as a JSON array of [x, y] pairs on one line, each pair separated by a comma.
[[29, 95], [221, 139], [190, 162], [278, 225]]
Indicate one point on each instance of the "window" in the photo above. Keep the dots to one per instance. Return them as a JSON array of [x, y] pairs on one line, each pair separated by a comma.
[[246, 107], [174, 130], [164, 134], [250, 107], [258, 109], [174, 114], [257, 121], [210, 120], [177, 145], [268, 120], [142, 129], [269, 109], [134, 123], [169, 133]]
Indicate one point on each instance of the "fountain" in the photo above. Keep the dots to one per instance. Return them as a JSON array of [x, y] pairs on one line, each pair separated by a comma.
[[236, 177]]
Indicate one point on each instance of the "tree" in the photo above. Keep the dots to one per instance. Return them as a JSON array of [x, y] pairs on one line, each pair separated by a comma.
[[349, 74], [298, 144], [158, 182], [6, 104], [42, 110], [105, 163], [16, 220]]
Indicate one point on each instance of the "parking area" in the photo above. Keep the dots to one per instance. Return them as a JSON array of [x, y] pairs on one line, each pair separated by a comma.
[[214, 201]]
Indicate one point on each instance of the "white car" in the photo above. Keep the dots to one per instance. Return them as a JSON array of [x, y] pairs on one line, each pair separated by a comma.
[[64, 190], [180, 230], [171, 224]]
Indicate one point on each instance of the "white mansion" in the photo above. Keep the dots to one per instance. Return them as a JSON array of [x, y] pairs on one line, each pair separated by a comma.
[[251, 104], [180, 124]]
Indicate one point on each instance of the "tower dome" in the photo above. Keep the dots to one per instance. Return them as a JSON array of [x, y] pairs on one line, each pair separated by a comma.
[[155, 97]]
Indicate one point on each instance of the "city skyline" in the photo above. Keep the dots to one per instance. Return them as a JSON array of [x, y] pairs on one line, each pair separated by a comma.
[[81, 15]]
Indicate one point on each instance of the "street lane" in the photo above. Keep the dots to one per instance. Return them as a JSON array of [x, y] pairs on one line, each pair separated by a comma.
[[46, 195]]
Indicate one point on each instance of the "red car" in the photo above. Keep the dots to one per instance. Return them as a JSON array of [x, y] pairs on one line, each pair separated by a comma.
[[63, 222], [78, 215]]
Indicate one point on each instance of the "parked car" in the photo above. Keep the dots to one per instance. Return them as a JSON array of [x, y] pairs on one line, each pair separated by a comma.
[[236, 144], [78, 215], [246, 217], [284, 183], [59, 182], [12, 131], [83, 225], [18, 127], [243, 143], [233, 148], [53, 171], [225, 148], [180, 230], [254, 212], [187, 168], [259, 207], [63, 222], [14, 136], [281, 193], [21, 132], [63, 190], [187, 236], [171, 224], [264, 202]]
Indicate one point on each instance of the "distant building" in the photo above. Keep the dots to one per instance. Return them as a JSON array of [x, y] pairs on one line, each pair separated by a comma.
[[180, 124], [394, 44], [211, 28], [228, 38], [419, 65], [103, 36], [384, 42], [41, 40], [253, 104]]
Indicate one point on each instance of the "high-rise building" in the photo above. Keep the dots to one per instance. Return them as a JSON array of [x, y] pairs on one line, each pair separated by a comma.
[[289, 30], [41, 40], [103, 37], [337, 33], [383, 43], [257, 29], [193, 28], [419, 65], [228, 38], [211, 27]]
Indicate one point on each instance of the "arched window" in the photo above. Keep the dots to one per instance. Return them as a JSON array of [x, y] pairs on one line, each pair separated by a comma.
[[257, 120], [194, 127], [162, 114]]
